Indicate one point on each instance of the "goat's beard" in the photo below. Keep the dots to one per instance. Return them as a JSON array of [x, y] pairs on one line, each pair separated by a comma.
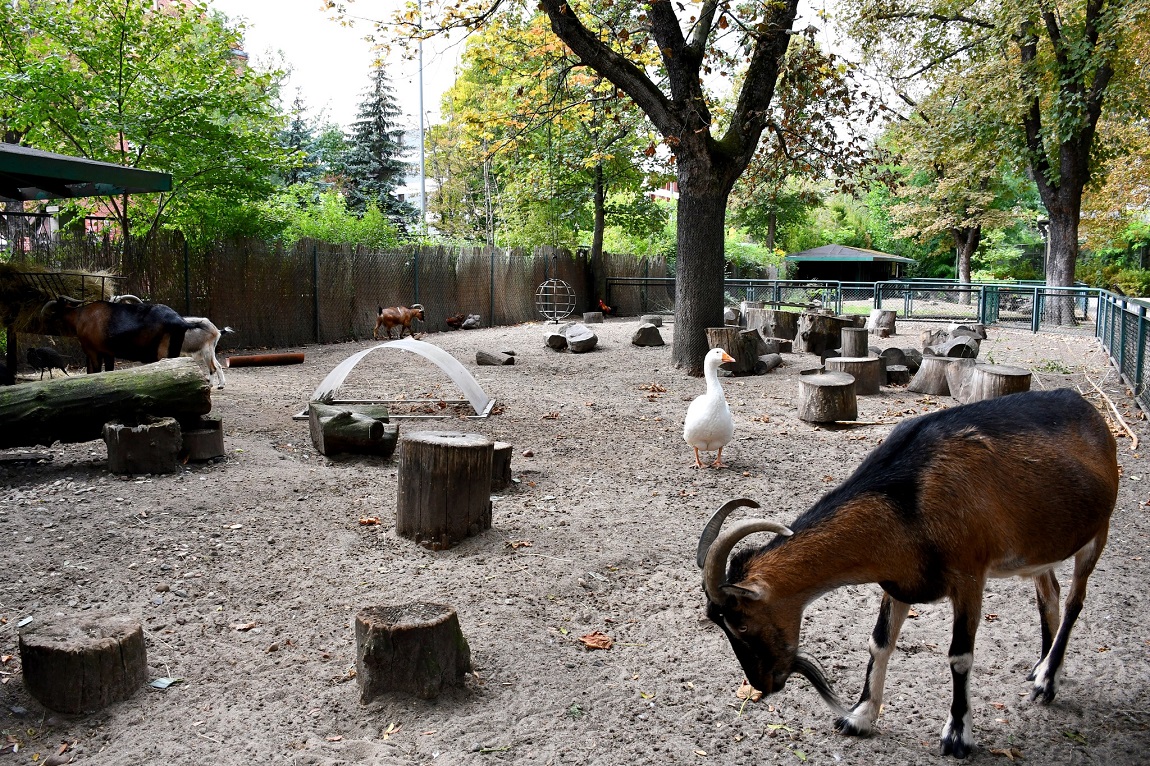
[[808, 668]]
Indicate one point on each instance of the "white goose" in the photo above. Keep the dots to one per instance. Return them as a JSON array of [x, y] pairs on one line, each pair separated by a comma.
[[709, 425]]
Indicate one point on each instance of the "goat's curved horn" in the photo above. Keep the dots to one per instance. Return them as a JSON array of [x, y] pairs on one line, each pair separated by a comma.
[[417, 306], [711, 530], [715, 566]]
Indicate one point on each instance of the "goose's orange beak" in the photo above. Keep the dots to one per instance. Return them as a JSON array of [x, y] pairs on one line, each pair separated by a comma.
[[727, 357]]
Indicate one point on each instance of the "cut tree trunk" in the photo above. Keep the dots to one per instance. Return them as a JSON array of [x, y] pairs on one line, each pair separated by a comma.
[[827, 397], [500, 466], [988, 381], [931, 376], [151, 445], [359, 429], [881, 322], [897, 375], [75, 409], [964, 347], [768, 362], [415, 648], [592, 317], [83, 664], [867, 372], [741, 344], [781, 324], [854, 342], [819, 333], [444, 492]]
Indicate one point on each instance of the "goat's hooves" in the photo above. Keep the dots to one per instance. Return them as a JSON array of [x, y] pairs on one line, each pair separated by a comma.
[[1042, 694], [850, 728], [955, 746]]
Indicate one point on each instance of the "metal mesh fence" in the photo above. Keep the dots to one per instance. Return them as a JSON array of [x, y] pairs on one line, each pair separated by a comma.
[[1123, 329]]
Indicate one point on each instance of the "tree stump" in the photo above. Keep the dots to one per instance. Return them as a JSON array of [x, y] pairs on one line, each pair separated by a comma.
[[444, 492], [777, 345], [417, 648], [867, 372], [781, 324], [881, 323], [897, 375], [958, 377], [500, 466], [854, 342], [75, 409], [655, 319], [743, 347], [359, 429], [826, 397], [931, 376], [964, 347], [818, 333], [149, 445], [203, 440], [83, 664], [768, 362], [988, 381], [592, 317]]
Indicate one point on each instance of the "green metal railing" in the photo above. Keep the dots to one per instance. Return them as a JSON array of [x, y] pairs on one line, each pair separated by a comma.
[[1122, 328]]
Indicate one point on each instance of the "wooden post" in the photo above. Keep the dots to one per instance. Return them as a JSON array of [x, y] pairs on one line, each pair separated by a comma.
[[417, 648], [988, 381], [744, 348], [827, 397], [444, 492], [82, 664], [345, 428], [500, 466], [855, 342], [867, 372], [75, 409]]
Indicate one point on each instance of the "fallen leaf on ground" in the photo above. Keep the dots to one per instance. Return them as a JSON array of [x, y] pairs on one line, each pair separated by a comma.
[[334, 738], [366, 520], [244, 626], [513, 544], [748, 692], [597, 640], [1011, 753]]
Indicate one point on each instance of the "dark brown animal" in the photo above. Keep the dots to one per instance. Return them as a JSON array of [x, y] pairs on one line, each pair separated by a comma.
[[455, 321], [44, 358], [397, 316], [1008, 486], [108, 331]]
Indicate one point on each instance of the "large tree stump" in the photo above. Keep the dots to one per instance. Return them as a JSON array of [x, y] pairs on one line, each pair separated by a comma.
[[867, 372], [360, 429], [203, 440], [740, 344], [75, 409], [149, 445], [417, 648], [500, 466], [826, 397], [444, 490], [82, 664], [854, 342], [931, 377], [819, 333], [781, 324], [881, 323], [988, 381], [897, 375]]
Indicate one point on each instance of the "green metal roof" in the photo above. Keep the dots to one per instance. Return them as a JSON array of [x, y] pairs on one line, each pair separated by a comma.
[[844, 253], [31, 174]]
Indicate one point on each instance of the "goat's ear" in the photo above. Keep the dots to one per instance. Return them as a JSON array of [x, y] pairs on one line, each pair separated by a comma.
[[740, 593]]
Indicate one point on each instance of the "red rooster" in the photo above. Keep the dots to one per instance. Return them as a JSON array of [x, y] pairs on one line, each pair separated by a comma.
[[607, 310], [455, 321]]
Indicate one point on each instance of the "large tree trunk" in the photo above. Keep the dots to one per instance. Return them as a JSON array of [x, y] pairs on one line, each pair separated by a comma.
[[1059, 309], [698, 275], [599, 276], [966, 242]]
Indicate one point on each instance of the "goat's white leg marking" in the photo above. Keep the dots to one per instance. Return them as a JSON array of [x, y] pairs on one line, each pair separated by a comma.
[[892, 614], [1049, 613], [958, 735]]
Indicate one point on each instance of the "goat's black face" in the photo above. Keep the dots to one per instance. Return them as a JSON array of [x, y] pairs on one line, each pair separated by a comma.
[[762, 646]]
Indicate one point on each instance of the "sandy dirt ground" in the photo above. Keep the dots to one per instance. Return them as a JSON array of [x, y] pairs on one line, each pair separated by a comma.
[[247, 572]]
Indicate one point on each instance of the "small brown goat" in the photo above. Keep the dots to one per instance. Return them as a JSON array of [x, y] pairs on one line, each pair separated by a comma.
[[1006, 487], [397, 315], [108, 331]]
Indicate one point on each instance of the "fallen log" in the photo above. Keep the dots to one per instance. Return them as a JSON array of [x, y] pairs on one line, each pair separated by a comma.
[[355, 429], [264, 360], [75, 409]]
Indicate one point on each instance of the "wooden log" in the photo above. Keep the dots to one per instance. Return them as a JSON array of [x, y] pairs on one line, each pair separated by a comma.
[[867, 372], [931, 376], [854, 342], [416, 648], [988, 381], [743, 347], [827, 397], [781, 324], [893, 356], [930, 338], [263, 360], [958, 377], [819, 333], [500, 466], [655, 319], [972, 330], [360, 429], [75, 409], [82, 664], [444, 492], [897, 375], [146, 445], [963, 347], [881, 322], [768, 362], [497, 359], [592, 317]]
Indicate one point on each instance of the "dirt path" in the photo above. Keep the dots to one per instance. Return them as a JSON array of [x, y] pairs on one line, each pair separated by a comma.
[[247, 574]]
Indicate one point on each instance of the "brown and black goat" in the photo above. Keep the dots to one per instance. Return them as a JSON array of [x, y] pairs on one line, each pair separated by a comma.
[[397, 315], [1004, 487], [108, 331]]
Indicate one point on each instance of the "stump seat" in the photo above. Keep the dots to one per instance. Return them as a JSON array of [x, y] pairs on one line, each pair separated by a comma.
[[867, 372], [827, 397], [444, 492]]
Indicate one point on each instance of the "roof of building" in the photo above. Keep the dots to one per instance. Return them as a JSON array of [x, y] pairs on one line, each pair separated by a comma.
[[845, 253], [32, 174]]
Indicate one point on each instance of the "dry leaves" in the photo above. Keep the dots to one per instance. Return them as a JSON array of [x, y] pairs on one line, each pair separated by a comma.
[[597, 640], [514, 544], [368, 520], [244, 627], [748, 692], [550, 416], [991, 617], [1011, 753]]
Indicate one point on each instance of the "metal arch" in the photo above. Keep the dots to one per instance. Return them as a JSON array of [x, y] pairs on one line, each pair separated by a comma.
[[480, 401]]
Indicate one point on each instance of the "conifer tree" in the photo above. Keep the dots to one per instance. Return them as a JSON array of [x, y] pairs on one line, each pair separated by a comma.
[[373, 164]]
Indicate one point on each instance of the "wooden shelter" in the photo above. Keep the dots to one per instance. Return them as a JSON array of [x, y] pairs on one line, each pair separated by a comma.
[[847, 264]]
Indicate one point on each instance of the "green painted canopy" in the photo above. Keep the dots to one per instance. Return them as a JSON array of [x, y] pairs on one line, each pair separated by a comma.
[[31, 174]]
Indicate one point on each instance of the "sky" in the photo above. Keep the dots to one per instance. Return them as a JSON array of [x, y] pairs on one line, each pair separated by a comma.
[[331, 64]]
